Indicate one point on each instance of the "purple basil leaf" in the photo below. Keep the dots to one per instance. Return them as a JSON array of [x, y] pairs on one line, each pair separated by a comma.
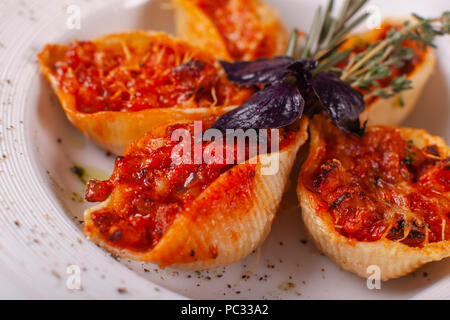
[[276, 106], [343, 103], [303, 68], [258, 72]]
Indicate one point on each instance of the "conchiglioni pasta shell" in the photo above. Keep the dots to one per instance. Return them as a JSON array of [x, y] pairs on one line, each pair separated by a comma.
[[194, 26], [112, 130], [229, 220], [393, 259]]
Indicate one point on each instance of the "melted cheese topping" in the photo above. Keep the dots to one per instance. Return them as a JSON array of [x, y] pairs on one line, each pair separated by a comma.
[[133, 78]]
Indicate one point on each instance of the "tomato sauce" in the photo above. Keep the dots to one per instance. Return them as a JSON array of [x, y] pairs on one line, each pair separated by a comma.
[[104, 79], [238, 24], [359, 44], [382, 186], [148, 189]]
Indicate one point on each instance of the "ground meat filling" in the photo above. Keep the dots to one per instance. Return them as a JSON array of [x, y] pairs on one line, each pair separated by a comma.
[[123, 79], [383, 186]]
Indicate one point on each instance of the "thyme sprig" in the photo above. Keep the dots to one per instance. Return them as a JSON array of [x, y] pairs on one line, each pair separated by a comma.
[[366, 69], [327, 32]]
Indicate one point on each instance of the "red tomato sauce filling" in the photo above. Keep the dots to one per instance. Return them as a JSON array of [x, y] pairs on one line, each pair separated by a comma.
[[239, 25], [382, 186], [148, 190], [359, 44], [106, 80]]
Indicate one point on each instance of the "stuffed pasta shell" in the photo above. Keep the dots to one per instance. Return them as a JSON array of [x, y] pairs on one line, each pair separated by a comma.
[[383, 200], [195, 215], [116, 88]]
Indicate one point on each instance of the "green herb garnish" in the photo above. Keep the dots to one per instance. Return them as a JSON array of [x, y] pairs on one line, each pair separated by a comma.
[[327, 33], [373, 64], [364, 70], [307, 80]]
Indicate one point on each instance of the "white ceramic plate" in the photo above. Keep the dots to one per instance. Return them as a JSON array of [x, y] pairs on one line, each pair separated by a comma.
[[40, 228]]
